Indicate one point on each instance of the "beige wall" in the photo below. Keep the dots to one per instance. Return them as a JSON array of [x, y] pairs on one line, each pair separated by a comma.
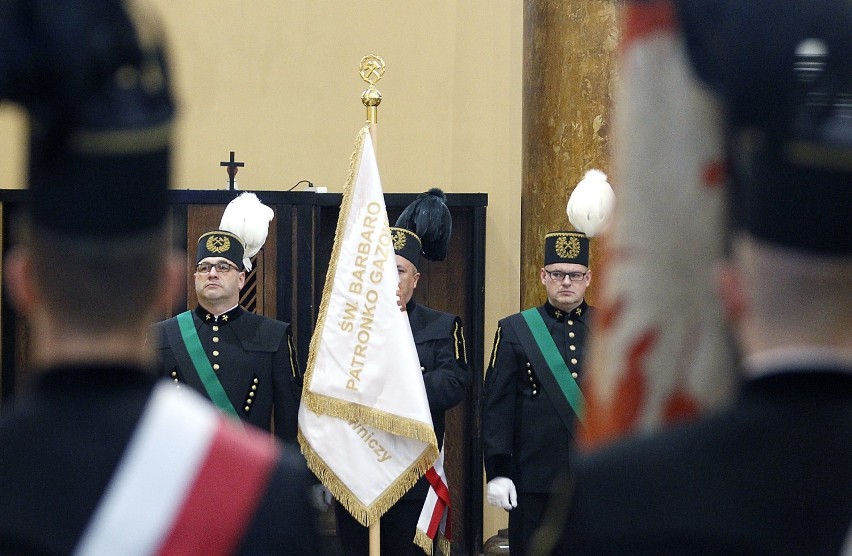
[[277, 82]]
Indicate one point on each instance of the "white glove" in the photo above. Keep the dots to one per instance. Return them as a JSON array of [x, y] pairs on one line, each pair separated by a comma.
[[320, 497], [501, 493]]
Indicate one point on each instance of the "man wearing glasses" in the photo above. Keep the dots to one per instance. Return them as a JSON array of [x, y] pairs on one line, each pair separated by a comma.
[[531, 397], [244, 363]]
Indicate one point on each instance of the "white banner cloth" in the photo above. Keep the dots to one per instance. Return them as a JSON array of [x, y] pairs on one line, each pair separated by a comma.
[[364, 423]]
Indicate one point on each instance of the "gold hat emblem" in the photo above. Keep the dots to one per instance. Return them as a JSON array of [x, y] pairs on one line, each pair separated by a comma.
[[567, 247], [399, 239], [218, 244]]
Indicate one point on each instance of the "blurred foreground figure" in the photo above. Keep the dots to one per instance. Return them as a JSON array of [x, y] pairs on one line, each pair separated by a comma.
[[97, 458], [772, 472]]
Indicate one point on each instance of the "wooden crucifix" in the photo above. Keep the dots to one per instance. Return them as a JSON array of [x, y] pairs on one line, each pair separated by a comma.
[[232, 170]]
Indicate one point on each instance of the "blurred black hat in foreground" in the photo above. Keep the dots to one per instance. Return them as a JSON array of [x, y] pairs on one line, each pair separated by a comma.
[[783, 70], [93, 78]]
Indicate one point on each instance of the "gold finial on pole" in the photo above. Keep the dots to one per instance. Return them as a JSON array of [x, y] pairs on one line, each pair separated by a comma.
[[372, 70]]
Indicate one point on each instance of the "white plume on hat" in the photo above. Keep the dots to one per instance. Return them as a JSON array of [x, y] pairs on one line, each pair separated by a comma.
[[590, 206], [247, 217]]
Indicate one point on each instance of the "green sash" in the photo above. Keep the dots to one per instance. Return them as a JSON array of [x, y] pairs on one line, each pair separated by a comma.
[[202, 365], [554, 360]]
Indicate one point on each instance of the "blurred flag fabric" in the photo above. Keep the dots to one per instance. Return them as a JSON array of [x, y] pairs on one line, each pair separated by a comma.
[[364, 422], [436, 518], [660, 352]]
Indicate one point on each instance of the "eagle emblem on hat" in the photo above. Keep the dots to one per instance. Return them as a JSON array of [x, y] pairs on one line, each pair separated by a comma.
[[218, 244], [399, 240], [567, 247]]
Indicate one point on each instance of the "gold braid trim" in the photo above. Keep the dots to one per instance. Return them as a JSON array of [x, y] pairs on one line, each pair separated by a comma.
[[345, 207], [122, 141], [461, 348], [366, 515], [294, 364], [824, 157], [497, 336]]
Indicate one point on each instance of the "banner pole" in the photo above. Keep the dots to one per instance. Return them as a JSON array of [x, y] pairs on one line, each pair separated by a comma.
[[372, 69], [376, 538]]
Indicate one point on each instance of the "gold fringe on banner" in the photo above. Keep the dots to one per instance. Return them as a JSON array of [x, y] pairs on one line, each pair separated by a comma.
[[394, 424], [366, 516], [345, 207]]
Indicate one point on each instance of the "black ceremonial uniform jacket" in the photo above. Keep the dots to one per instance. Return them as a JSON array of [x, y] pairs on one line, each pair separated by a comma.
[[524, 437], [254, 358], [771, 474], [61, 440], [439, 339]]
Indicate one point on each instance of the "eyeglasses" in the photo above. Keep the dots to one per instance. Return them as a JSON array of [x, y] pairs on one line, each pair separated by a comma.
[[559, 276], [221, 267]]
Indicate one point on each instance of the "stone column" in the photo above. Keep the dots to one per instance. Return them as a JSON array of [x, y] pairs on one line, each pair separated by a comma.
[[569, 64]]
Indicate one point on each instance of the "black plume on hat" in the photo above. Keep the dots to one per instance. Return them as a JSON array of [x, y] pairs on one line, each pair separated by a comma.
[[429, 217]]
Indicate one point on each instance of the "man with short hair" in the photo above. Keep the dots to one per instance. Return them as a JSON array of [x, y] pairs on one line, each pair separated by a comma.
[[531, 389], [245, 363], [98, 457], [94, 391]]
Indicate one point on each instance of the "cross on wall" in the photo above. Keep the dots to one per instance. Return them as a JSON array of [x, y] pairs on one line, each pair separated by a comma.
[[232, 166]]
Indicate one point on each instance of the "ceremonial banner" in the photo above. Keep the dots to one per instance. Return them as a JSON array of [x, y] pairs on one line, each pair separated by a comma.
[[659, 350], [364, 421], [436, 515]]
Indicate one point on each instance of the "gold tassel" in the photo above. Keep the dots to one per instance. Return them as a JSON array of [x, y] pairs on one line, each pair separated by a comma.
[[422, 540]]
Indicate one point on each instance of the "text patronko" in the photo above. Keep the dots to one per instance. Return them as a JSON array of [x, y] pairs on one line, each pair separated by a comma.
[[373, 252]]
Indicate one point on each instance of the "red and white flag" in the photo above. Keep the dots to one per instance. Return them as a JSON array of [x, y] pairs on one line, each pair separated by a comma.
[[364, 422], [659, 351], [436, 518], [188, 483]]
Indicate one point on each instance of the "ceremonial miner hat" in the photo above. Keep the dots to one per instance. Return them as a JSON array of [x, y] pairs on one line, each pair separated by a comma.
[[566, 247], [429, 218], [406, 244], [783, 73], [100, 112], [220, 243]]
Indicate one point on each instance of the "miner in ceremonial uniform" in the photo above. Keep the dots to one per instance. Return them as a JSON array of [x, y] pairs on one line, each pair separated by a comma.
[[98, 455], [245, 363], [439, 339], [531, 394]]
